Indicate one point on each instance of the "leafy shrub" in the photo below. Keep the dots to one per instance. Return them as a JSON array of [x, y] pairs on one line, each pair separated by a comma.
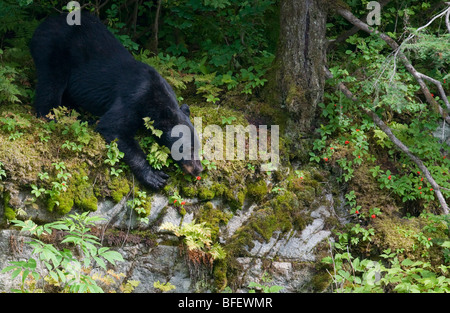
[[61, 269]]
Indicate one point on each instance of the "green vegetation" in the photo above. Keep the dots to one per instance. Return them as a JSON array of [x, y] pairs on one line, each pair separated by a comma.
[[197, 238], [60, 270]]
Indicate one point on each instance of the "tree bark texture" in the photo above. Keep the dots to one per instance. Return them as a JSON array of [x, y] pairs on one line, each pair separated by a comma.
[[301, 57]]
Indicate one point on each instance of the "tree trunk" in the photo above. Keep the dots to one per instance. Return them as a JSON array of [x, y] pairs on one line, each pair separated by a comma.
[[300, 59]]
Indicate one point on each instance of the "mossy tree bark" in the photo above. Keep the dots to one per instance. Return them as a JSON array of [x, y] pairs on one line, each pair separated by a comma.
[[300, 60]]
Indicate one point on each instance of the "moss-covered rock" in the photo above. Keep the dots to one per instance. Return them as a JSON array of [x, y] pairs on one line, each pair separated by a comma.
[[119, 188], [206, 194], [257, 190]]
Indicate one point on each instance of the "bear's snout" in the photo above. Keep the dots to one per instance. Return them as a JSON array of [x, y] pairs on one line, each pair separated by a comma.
[[193, 168]]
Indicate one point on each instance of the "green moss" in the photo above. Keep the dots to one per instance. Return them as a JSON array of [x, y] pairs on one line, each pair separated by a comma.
[[220, 275], [257, 190], [235, 198], [285, 202], [119, 187], [206, 194], [83, 192], [219, 189], [10, 213], [306, 185], [400, 234], [61, 203], [321, 281], [189, 191], [213, 217], [213, 114], [265, 223]]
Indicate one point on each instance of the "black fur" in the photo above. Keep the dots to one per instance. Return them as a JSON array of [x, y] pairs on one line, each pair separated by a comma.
[[86, 66]]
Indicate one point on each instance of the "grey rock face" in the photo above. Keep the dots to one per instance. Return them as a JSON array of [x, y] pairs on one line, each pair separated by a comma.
[[290, 254]]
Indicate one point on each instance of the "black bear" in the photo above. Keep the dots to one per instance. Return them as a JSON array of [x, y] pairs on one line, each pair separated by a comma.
[[86, 66]]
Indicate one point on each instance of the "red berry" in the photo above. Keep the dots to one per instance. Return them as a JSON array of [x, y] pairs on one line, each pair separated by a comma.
[[431, 189], [347, 142], [421, 179], [420, 187], [331, 148], [357, 130], [429, 239], [183, 202], [175, 201], [389, 177], [198, 178], [418, 173], [356, 212], [373, 216], [326, 159]]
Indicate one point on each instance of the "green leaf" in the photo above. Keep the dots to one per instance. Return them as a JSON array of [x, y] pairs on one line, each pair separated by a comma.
[[407, 262], [8, 268], [16, 273], [100, 262], [25, 275], [31, 263], [112, 256], [54, 276], [61, 275], [35, 275]]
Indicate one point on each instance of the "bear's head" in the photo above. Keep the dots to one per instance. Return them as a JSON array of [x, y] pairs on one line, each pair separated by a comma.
[[184, 142], [179, 134]]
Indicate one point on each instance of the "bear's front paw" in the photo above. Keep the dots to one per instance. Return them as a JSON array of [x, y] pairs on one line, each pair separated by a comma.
[[155, 180], [162, 174]]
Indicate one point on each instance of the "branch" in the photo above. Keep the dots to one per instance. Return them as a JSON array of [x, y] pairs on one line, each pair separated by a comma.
[[155, 28], [343, 37], [400, 145], [447, 18], [395, 46]]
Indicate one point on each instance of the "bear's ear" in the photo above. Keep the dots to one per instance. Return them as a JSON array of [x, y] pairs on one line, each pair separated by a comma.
[[185, 109]]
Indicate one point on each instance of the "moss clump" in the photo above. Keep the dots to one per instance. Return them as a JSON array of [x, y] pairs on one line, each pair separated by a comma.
[[285, 202], [79, 193], [220, 275], [258, 190], [213, 217], [61, 203], [321, 281], [213, 114], [206, 194], [265, 222], [10, 213], [83, 192], [235, 198], [219, 189], [402, 235], [119, 187], [189, 191]]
